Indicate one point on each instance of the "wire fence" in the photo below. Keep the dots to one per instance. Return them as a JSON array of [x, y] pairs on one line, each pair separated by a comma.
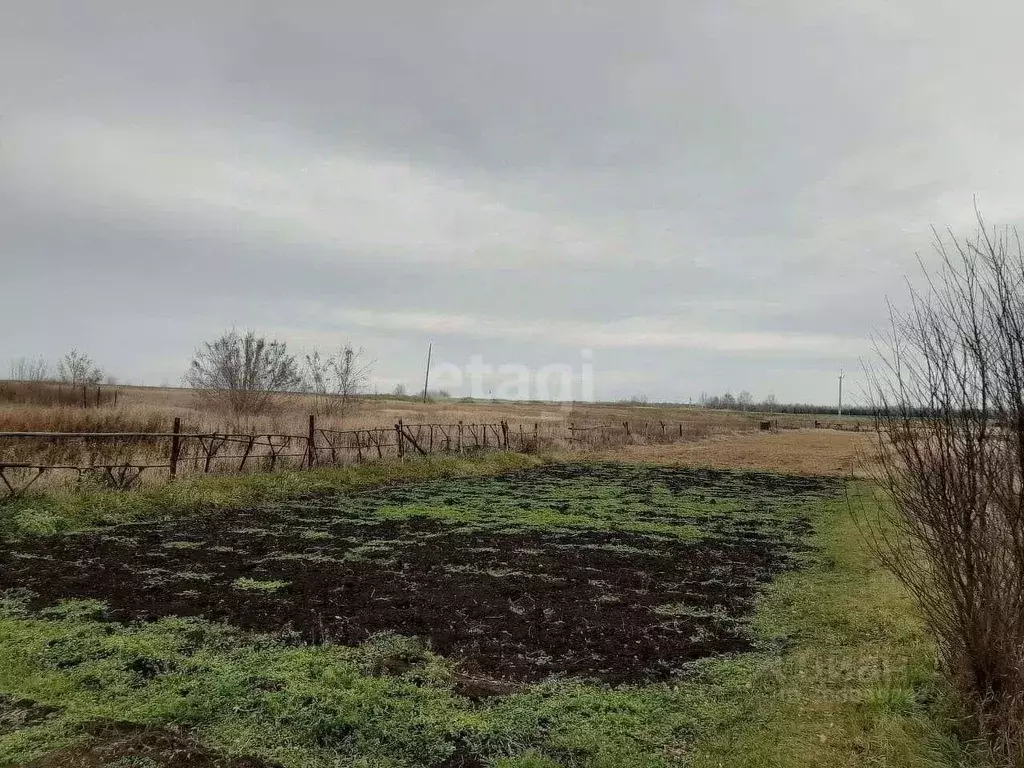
[[122, 460]]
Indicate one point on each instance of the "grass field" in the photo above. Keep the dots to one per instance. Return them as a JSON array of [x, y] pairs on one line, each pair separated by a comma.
[[505, 611]]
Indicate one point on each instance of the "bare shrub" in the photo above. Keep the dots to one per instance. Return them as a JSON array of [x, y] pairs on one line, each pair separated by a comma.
[[336, 380], [949, 400], [77, 368], [30, 369], [243, 375]]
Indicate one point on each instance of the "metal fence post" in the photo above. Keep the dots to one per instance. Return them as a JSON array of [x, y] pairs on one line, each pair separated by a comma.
[[311, 444], [175, 446]]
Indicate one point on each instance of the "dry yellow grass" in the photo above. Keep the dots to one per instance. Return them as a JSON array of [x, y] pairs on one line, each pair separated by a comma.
[[690, 436], [147, 409], [800, 451]]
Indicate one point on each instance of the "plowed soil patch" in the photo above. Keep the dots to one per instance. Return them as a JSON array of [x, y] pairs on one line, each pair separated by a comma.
[[508, 601]]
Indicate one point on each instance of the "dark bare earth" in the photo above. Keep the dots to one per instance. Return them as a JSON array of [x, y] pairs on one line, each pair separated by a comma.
[[610, 572], [128, 744]]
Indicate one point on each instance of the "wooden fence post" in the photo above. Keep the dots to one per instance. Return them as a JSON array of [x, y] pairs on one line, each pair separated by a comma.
[[504, 432], [85, 396], [461, 449], [311, 441], [175, 446], [401, 439], [626, 425]]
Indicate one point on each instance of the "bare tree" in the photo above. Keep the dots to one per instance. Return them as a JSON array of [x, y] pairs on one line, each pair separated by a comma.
[[400, 390], [78, 368], [318, 379], [30, 369], [352, 368], [744, 400], [337, 380], [243, 374], [949, 404]]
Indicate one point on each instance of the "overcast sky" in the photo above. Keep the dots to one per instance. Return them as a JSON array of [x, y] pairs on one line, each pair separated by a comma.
[[710, 196]]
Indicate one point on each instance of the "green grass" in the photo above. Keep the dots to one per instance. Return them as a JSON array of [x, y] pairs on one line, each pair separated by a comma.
[[256, 585], [624, 498], [845, 677], [503, 517], [69, 509], [857, 684]]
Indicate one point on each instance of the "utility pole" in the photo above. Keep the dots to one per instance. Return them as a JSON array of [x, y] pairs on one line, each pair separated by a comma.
[[426, 381], [841, 377]]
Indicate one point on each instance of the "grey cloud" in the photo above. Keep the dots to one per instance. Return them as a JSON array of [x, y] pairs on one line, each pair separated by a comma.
[[515, 178]]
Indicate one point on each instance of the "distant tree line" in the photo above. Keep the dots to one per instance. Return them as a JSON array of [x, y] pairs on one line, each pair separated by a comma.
[[744, 401], [245, 374], [242, 374]]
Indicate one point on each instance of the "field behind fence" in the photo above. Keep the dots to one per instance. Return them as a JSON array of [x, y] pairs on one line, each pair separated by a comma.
[[125, 436]]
